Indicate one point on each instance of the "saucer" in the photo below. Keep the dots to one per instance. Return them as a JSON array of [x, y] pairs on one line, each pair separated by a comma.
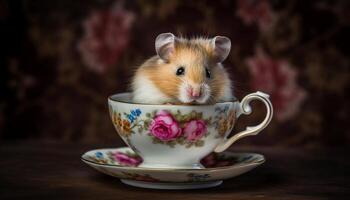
[[122, 163]]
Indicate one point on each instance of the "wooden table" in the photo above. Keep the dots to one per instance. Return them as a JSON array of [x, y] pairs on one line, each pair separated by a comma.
[[51, 170]]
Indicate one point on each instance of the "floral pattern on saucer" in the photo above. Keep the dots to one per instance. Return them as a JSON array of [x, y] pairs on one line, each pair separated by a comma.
[[192, 177], [123, 163], [140, 177], [170, 129], [129, 158]]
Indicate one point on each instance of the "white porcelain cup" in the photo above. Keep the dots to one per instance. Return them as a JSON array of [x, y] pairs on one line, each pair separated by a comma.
[[179, 136]]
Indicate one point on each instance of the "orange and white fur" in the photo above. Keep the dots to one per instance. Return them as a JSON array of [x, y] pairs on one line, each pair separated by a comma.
[[185, 71]]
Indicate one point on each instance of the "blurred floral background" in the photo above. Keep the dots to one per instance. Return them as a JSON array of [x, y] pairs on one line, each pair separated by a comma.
[[61, 60]]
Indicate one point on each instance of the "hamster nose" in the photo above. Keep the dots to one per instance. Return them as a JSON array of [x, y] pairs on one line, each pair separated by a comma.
[[195, 91]]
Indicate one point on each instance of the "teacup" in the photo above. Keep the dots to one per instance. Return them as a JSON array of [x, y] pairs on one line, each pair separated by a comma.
[[179, 136]]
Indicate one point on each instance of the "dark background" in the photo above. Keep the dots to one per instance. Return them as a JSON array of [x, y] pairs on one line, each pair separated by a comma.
[[62, 59]]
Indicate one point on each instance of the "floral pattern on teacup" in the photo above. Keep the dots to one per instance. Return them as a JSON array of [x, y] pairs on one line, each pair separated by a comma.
[[123, 126], [225, 120], [183, 129], [164, 126], [194, 129], [172, 128]]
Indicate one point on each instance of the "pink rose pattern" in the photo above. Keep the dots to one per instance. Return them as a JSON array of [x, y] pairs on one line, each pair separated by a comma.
[[106, 35], [126, 159], [277, 78], [194, 130], [165, 127]]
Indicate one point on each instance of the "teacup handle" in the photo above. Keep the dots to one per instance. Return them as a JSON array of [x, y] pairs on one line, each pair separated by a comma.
[[244, 108]]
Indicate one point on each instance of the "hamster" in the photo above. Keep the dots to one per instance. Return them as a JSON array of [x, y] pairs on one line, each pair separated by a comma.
[[184, 71]]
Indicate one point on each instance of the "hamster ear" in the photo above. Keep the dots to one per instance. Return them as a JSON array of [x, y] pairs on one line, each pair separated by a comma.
[[165, 45], [222, 47]]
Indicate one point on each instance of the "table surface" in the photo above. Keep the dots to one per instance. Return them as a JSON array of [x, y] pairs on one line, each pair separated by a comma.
[[51, 170]]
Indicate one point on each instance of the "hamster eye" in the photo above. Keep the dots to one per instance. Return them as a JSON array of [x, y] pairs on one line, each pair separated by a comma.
[[207, 73], [180, 71]]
